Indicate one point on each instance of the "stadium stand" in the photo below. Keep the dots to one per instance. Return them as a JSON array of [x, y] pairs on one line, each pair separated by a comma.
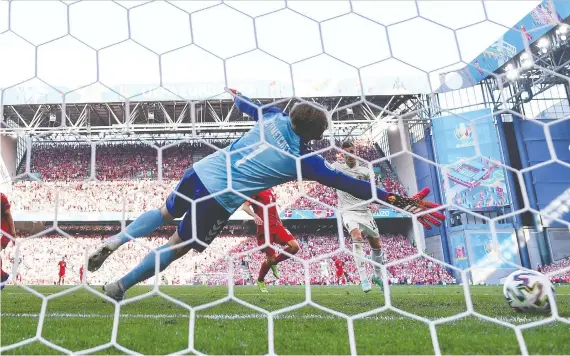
[[38, 260], [124, 170], [559, 265], [126, 178], [60, 161]]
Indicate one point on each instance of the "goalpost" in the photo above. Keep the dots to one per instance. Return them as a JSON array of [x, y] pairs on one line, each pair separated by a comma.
[[78, 66]]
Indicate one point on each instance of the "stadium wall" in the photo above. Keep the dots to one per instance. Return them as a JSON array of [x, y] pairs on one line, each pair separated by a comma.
[[424, 177], [404, 167], [472, 246], [551, 180], [559, 239], [531, 236], [434, 247], [403, 164]]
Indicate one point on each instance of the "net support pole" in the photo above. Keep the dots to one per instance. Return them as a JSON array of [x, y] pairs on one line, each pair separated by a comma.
[[515, 204], [531, 192]]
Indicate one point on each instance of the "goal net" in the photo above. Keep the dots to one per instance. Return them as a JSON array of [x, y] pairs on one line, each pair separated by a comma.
[[104, 105]]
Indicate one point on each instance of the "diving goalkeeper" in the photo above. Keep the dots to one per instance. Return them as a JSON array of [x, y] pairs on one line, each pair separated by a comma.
[[247, 167]]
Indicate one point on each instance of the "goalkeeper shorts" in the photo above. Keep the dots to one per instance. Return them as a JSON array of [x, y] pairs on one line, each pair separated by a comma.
[[210, 217]]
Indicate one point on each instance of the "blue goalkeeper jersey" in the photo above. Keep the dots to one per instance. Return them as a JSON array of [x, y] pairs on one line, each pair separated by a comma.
[[255, 166]]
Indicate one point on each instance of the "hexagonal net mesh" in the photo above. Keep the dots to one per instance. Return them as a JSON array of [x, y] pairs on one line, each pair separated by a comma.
[[105, 105]]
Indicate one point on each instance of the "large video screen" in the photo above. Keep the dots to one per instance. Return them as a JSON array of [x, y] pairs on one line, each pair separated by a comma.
[[470, 179]]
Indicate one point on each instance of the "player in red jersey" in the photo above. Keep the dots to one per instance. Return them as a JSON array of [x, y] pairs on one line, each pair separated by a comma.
[[7, 222], [81, 274], [277, 234], [339, 264], [62, 266]]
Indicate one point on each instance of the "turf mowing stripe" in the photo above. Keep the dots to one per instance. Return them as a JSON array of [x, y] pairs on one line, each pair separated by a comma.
[[512, 319]]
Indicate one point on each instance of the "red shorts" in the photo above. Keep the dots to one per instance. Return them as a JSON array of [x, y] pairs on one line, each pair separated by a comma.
[[277, 234], [62, 274], [4, 241], [339, 273]]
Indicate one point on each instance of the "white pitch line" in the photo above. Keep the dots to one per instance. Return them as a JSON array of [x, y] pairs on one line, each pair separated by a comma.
[[509, 319]]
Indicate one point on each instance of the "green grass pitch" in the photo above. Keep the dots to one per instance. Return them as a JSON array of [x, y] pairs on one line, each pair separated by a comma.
[[154, 325]]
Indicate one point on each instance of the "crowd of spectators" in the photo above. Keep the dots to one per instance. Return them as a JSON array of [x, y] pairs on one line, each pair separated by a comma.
[[127, 177], [39, 257], [563, 277], [115, 161], [89, 196]]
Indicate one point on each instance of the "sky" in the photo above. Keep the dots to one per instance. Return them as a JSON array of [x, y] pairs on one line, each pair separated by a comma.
[[192, 50]]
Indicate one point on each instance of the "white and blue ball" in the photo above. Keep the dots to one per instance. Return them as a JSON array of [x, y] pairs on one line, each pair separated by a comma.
[[528, 291]]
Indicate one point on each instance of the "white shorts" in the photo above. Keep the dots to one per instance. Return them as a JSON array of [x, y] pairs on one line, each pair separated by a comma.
[[362, 221], [325, 273]]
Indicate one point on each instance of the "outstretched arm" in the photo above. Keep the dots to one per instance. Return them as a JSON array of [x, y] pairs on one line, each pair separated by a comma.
[[246, 105], [317, 169]]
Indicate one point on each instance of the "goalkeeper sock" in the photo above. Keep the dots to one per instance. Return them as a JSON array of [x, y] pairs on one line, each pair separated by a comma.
[[378, 257], [360, 266], [146, 268], [142, 226]]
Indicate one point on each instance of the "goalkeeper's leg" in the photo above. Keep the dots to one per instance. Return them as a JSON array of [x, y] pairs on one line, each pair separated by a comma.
[[175, 207], [209, 220], [142, 226], [167, 254]]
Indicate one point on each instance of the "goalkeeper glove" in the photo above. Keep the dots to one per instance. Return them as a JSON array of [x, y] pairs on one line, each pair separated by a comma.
[[415, 204]]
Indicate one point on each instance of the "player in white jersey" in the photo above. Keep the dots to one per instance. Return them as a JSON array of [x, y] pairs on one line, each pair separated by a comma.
[[358, 220], [325, 274]]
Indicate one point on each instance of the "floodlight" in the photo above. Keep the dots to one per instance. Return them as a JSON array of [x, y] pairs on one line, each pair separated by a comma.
[[543, 43], [562, 29], [563, 37], [526, 64], [513, 74]]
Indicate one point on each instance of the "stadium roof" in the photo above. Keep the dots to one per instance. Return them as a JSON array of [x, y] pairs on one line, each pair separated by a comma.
[[211, 116], [36, 105], [192, 50]]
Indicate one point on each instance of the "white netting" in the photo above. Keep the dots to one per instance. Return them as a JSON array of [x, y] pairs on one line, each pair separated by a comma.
[[321, 59]]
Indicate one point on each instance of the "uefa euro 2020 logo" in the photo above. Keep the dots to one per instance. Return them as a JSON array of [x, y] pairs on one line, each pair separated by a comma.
[[463, 132]]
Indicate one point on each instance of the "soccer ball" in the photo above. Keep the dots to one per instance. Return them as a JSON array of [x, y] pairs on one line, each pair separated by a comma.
[[527, 291]]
